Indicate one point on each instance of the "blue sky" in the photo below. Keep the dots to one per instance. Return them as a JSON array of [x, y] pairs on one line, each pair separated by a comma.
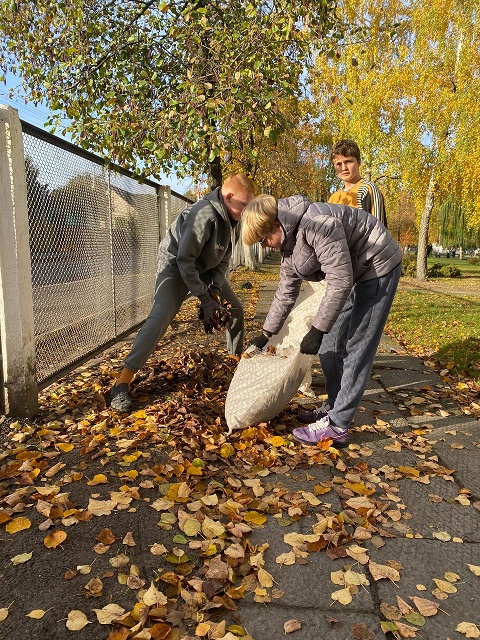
[[38, 115]]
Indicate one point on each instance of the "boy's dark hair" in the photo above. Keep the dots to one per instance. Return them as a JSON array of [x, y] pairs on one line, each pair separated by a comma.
[[345, 148]]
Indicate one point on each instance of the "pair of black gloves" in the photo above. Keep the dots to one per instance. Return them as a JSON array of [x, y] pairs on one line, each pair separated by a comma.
[[309, 345]]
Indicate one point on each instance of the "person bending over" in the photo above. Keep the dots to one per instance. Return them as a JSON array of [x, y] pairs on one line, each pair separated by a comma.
[[361, 263], [193, 257]]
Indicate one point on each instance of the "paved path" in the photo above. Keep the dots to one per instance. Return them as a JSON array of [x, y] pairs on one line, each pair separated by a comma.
[[403, 394]]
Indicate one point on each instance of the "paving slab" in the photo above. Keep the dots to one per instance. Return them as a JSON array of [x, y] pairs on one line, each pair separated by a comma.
[[428, 517], [266, 622], [422, 561], [464, 460]]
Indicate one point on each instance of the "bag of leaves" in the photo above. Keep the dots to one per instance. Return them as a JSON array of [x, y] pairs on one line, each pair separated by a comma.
[[266, 381]]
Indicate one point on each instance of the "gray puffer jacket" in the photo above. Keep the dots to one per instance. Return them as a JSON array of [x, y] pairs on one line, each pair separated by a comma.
[[342, 244], [198, 245]]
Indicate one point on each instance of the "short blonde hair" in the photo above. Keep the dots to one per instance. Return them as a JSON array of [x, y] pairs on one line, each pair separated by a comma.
[[258, 218], [238, 182]]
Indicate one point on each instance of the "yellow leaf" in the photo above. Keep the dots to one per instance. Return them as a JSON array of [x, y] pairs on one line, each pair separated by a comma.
[[76, 620], [52, 540], [99, 478], [64, 446], [212, 528], [227, 450], [194, 471], [191, 527], [18, 524], [276, 441], [4, 612], [265, 578], [21, 558], [132, 474], [132, 457], [36, 614], [343, 596], [469, 629], [443, 585], [255, 517], [474, 568], [360, 488]]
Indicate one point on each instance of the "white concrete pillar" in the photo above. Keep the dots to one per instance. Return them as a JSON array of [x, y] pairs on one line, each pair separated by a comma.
[[19, 386], [164, 209]]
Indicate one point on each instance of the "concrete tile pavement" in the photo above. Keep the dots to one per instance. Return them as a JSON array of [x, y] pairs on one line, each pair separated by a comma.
[[403, 395]]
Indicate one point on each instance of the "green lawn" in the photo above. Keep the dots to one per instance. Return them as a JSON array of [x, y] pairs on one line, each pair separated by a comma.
[[441, 320]]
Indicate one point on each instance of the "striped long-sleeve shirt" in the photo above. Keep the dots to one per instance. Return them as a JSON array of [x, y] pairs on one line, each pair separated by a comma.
[[363, 195]]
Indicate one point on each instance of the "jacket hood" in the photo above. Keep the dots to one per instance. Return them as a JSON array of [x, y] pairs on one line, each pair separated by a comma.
[[290, 211], [215, 198]]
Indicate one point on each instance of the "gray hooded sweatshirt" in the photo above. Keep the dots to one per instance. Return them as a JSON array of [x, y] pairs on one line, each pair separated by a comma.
[[198, 245], [342, 244]]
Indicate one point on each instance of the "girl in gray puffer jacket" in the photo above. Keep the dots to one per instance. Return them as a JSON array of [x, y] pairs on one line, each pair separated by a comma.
[[361, 263]]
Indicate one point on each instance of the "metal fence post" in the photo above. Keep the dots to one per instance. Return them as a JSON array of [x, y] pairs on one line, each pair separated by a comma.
[[17, 334], [164, 209]]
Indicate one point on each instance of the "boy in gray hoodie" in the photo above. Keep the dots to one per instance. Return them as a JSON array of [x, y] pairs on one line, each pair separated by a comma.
[[193, 257], [361, 263]]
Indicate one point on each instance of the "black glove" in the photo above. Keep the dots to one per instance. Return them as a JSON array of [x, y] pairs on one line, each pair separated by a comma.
[[311, 342], [208, 307], [260, 341]]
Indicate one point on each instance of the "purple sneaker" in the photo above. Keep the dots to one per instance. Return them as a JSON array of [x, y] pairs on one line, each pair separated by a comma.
[[312, 416], [320, 430]]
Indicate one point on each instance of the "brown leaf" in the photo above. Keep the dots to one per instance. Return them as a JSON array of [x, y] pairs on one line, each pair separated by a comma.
[[425, 607], [292, 625], [106, 537], [380, 571]]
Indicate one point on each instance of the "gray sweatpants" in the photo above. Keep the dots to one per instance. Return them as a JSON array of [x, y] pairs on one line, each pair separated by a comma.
[[348, 349], [170, 293]]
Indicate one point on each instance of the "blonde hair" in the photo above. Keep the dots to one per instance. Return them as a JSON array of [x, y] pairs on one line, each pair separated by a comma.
[[238, 182], [258, 218]]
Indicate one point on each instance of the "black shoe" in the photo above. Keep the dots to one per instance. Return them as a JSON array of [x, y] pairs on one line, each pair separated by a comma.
[[120, 399], [308, 417]]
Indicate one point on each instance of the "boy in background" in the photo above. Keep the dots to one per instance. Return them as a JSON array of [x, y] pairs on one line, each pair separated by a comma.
[[356, 191]]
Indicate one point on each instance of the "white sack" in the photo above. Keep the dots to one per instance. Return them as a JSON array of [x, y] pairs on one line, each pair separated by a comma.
[[265, 383]]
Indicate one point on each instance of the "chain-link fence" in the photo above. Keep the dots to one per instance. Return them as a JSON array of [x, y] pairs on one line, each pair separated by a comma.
[[94, 234]]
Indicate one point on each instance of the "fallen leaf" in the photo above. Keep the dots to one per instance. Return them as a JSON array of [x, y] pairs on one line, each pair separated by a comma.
[[153, 596], [128, 540], [380, 571], [469, 629], [52, 540], [18, 524], [292, 625], [344, 596], [76, 620], [21, 558], [474, 568], [109, 613], [445, 586], [442, 535], [406, 631], [36, 614], [255, 517]]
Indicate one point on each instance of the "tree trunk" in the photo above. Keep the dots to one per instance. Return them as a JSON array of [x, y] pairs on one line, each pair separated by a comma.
[[251, 261], [215, 173], [423, 231]]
